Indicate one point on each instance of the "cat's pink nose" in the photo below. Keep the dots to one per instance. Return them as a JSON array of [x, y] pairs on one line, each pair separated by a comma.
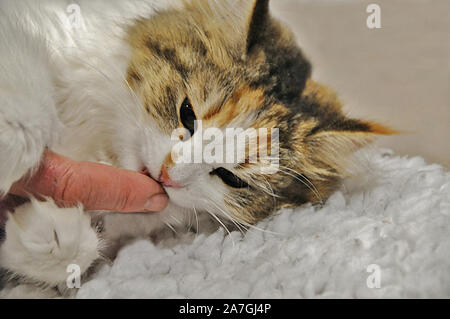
[[165, 179]]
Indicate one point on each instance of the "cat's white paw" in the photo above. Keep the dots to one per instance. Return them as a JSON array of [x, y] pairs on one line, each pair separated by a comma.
[[42, 240]]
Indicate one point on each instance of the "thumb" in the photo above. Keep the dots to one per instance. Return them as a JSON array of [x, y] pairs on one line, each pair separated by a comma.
[[96, 186]]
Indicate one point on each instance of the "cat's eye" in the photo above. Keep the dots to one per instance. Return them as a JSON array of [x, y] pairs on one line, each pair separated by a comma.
[[187, 116], [229, 178]]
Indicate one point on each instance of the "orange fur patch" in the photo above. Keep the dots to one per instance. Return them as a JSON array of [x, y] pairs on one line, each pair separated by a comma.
[[381, 129], [241, 103], [168, 161]]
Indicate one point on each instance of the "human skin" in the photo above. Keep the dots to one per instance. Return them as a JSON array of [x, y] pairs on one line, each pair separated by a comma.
[[96, 186]]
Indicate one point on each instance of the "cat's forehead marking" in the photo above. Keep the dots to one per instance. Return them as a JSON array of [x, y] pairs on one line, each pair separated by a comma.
[[170, 55], [241, 103], [133, 77]]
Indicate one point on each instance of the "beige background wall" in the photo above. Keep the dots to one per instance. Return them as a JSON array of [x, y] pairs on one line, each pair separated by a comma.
[[399, 74]]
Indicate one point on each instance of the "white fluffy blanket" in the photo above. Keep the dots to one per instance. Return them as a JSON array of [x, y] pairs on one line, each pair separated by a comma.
[[395, 216]]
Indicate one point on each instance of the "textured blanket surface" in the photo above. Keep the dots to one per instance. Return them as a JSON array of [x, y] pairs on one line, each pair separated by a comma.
[[385, 233]]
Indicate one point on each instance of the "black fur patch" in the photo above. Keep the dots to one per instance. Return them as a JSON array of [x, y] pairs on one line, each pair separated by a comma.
[[286, 70], [136, 77], [170, 56], [258, 22]]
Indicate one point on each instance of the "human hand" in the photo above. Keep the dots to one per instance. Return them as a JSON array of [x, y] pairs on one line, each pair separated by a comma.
[[96, 186]]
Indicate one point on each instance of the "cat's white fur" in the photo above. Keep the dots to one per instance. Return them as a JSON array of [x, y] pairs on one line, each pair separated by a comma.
[[43, 241], [64, 88]]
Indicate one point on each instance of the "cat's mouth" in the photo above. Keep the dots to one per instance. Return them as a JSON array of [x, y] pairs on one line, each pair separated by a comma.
[[144, 171], [163, 179], [178, 194]]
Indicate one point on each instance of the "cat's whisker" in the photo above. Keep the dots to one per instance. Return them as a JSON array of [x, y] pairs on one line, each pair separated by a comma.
[[246, 224], [196, 217], [208, 202], [269, 186], [266, 189], [171, 227], [223, 225], [233, 220], [189, 224], [304, 183], [315, 190], [176, 219], [272, 193]]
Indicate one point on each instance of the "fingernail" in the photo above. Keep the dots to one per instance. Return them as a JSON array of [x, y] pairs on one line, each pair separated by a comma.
[[156, 203]]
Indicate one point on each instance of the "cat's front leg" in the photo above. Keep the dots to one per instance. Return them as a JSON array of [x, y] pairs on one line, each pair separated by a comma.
[[43, 240], [28, 116]]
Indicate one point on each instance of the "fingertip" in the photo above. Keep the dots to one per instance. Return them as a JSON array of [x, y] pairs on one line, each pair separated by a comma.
[[147, 182], [156, 203]]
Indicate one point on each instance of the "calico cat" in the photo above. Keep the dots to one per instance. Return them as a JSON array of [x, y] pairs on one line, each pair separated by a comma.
[[114, 89]]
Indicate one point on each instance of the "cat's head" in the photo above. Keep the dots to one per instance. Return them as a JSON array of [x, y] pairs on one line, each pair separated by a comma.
[[230, 64]]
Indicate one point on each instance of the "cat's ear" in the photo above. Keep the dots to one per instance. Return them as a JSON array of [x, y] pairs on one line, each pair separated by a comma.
[[333, 135], [346, 132], [257, 22], [332, 143]]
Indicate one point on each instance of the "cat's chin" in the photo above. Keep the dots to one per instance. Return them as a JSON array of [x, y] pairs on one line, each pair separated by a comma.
[[180, 197]]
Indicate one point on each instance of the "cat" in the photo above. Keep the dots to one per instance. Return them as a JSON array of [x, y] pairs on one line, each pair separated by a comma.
[[114, 86]]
